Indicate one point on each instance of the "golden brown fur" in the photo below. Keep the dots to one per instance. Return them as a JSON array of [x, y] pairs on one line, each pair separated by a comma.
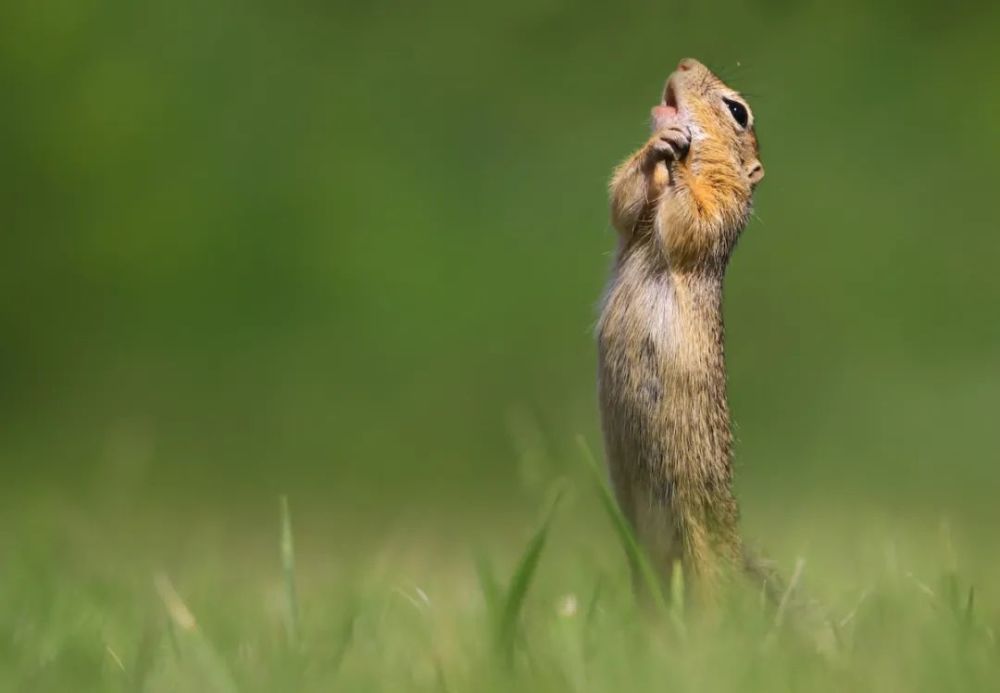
[[678, 204]]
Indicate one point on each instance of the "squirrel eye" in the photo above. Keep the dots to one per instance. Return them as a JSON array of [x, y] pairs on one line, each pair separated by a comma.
[[739, 112]]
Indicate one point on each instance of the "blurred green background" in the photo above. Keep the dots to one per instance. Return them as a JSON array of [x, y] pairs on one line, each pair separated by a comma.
[[352, 251]]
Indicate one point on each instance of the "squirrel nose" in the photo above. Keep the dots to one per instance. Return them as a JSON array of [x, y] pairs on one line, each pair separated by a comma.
[[686, 64]]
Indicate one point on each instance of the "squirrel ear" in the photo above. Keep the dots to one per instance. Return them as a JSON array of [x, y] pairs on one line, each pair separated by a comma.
[[755, 171]]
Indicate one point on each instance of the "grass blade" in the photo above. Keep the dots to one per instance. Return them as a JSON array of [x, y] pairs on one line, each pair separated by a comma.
[[513, 599], [489, 586], [345, 637], [677, 598], [592, 603], [288, 569], [636, 555], [779, 615]]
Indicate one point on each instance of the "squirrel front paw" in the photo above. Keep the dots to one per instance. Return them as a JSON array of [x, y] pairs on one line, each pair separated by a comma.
[[670, 143]]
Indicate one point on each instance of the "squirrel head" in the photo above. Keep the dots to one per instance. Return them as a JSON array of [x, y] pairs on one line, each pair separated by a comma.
[[722, 165]]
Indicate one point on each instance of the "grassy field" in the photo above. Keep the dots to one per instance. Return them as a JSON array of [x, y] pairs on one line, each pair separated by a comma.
[[262, 600]]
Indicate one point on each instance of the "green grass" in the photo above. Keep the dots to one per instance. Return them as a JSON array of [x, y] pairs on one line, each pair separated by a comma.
[[547, 606]]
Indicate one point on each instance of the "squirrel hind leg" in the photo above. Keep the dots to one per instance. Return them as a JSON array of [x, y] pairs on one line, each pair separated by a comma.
[[710, 551], [657, 531]]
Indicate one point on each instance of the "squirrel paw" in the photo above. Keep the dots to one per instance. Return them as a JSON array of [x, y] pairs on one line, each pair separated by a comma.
[[670, 143]]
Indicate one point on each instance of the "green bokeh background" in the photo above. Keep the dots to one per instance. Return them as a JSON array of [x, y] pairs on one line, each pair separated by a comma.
[[352, 251]]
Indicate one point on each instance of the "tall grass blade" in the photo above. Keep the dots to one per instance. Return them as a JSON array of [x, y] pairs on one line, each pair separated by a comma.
[[345, 637], [590, 615], [950, 592], [641, 566], [288, 569], [492, 593], [779, 615], [677, 599], [513, 599], [968, 611]]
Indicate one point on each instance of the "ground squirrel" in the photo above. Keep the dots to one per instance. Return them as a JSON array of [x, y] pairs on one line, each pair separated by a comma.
[[679, 205]]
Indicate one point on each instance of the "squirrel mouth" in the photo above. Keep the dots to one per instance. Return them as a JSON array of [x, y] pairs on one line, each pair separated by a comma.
[[667, 109], [670, 95]]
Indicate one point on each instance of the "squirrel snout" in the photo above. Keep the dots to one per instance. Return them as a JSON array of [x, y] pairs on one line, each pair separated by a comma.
[[687, 64]]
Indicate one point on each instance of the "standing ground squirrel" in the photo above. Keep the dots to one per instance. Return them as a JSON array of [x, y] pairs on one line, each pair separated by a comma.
[[679, 205]]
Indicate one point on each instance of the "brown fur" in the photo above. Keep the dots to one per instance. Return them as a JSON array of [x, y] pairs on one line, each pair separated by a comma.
[[678, 204]]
